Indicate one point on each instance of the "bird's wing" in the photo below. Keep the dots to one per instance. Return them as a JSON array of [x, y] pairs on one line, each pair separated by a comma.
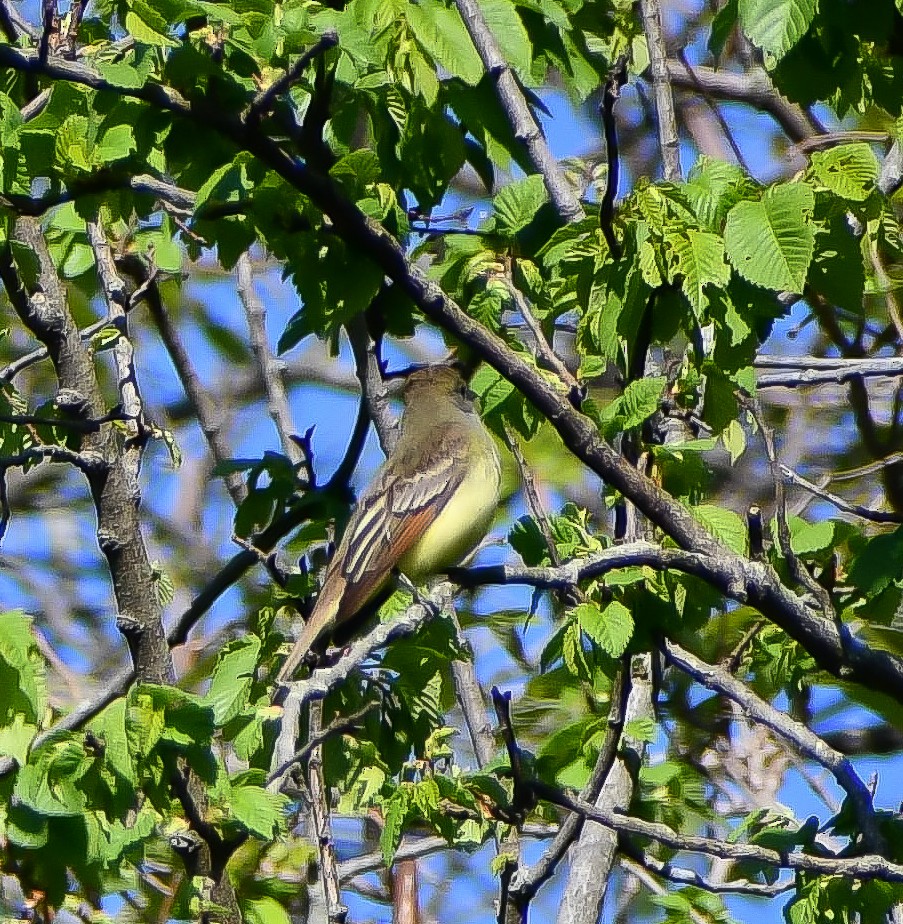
[[395, 511], [389, 520]]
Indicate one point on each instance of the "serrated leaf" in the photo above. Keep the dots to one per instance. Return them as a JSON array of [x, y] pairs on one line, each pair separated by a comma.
[[395, 812], [517, 204], [644, 729], [776, 26], [640, 401], [110, 727], [611, 629], [726, 525], [713, 188], [233, 677], [849, 170], [442, 33], [700, 262], [508, 30], [22, 674], [770, 242], [260, 811]]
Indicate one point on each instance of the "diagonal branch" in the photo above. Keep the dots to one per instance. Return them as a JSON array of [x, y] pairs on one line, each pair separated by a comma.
[[519, 115], [820, 636], [806, 742]]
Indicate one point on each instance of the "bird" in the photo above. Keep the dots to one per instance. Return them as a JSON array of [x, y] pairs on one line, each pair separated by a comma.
[[426, 508]]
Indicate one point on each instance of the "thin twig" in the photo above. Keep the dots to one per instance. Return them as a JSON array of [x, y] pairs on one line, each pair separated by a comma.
[[806, 742], [876, 516], [270, 370], [669, 141], [683, 876], [264, 101], [530, 879], [798, 571], [340, 726], [754, 88], [210, 417], [546, 355], [645, 878], [716, 112]]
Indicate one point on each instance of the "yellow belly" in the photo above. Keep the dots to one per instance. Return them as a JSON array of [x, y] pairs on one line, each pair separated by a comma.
[[459, 527]]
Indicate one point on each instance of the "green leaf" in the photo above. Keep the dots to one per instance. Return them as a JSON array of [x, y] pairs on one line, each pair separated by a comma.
[[23, 681], [47, 783], [734, 438], [15, 738], [261, 812], [770, 242], [713, 188], [110, 727], [508, 30], [849, 170], [517, 204], [837, 270], [806, 538], [442, 33], [879, 563], [640, 401], [776, 25], [726, 525], [700, 262], [611, 629], [120, 74], [148, 26], [264, 910], [233, 678], [395, 811], [722, 26]]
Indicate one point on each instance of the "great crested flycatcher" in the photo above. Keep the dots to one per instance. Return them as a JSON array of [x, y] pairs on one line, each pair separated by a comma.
[[426, 508]]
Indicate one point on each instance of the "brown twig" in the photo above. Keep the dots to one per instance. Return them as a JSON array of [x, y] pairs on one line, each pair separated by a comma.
[[270, 371], [264, 101], [806, 742], [617, 77]]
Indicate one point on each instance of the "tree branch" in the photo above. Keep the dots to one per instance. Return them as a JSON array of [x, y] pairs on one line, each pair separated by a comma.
[[806, 742], [668, 138], [523, 124]]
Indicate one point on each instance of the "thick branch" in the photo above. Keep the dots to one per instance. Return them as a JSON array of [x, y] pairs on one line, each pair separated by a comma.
[[753, 88], [45, 312]]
